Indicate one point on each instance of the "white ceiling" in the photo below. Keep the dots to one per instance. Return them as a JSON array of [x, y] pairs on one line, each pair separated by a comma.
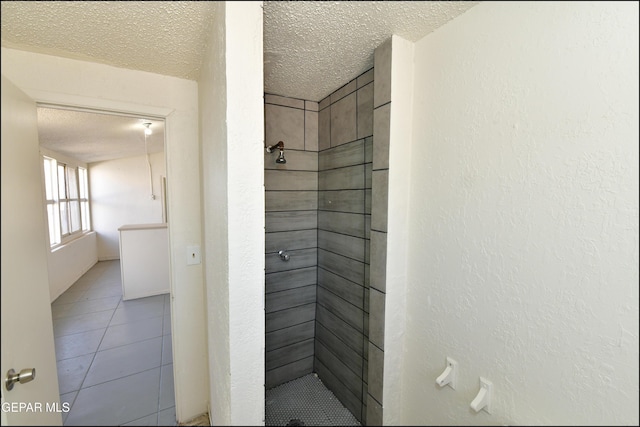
[[164, 37], [311, 48], [94, 137]]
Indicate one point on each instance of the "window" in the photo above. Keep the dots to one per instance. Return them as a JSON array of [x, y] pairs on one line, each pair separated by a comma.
[[67, 200]]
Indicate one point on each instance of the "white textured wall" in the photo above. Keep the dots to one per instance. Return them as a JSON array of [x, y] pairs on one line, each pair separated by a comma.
[[523, 219], [245, 156], [69, 262], [213, 135], [400, 128], [232, 129], [70, 82], [120, 195]]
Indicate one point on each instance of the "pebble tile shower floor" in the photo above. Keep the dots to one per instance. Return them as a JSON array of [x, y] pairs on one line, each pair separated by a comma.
[[305, 400]]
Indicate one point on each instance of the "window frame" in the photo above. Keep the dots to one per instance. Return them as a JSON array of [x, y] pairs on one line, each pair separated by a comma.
[[60, 197]]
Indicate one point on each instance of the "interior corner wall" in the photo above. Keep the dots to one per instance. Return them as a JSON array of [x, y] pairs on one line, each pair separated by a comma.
[[120, 195], [63, 81], [523, 242], [232, 133]]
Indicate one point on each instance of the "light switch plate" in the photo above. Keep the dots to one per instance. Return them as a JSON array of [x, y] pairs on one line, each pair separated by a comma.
[[193, 255]]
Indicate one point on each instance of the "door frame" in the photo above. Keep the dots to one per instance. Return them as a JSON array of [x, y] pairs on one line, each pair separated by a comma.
[[85, 85], [52, 99]]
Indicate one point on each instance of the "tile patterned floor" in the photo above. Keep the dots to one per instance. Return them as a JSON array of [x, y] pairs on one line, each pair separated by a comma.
[[114, 357], [305, 401]]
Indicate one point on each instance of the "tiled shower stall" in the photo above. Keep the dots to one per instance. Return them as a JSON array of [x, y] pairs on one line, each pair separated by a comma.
[[327, 208]]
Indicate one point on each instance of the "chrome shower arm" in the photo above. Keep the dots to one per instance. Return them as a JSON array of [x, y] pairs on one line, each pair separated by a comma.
[[279, 145]]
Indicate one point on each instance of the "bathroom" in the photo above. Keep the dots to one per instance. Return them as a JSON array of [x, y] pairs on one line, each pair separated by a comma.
[[325, 233], [318, 208], [491, 255]]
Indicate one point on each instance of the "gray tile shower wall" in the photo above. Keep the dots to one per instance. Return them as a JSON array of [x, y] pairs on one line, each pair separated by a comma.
[[345, 143], [378, 248], [318, 207], [291, 221]]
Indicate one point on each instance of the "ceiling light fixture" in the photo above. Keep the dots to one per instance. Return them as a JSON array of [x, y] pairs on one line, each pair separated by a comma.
[[147, 132]]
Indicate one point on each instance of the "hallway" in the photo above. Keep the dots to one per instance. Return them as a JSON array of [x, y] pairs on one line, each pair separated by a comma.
[[114, 357]]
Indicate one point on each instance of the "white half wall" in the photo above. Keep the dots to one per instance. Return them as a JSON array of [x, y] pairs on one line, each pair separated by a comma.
[[121, 194], [62, 81], [523, 216], [232, 129], [69, 262]]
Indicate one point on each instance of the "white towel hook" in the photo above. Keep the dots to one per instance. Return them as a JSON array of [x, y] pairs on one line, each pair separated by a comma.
[[450, 375], [483, 399]]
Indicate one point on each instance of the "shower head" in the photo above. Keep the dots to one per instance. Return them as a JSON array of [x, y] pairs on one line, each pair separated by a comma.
[[279, 145]]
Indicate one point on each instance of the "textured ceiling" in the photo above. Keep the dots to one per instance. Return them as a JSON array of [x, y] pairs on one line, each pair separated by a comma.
[[311, 48], [93, 137], [164, 37]]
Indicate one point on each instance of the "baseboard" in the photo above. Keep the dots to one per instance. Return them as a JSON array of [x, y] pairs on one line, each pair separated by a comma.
[[200, 420]]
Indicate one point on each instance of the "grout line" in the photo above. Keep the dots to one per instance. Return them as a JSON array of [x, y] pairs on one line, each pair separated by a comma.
[[104, 271], [95, 353], [160, 378]]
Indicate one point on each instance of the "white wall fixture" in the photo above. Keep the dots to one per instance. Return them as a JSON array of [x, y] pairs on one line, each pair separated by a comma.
[[483, 399], [193, 255], [450, 375]]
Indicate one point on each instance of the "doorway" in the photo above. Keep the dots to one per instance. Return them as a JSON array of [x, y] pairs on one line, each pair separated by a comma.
[[101, 88], [102, 341]]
